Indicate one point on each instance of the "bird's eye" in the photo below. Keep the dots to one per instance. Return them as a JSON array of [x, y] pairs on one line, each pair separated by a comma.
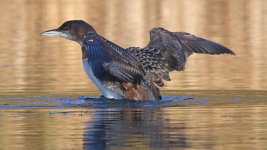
[[66, 29]]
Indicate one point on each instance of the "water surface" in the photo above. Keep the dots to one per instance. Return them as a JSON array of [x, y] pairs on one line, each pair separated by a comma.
[[216, 127]]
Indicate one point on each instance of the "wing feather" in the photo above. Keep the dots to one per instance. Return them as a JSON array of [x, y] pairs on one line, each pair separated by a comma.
[[107, 59], [175, 47], [200, 45]]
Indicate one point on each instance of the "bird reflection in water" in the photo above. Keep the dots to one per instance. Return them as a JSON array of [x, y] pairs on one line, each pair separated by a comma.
[[133, 127]]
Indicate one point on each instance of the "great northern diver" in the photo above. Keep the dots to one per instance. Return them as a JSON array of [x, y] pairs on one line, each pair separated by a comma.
[[134, 73]]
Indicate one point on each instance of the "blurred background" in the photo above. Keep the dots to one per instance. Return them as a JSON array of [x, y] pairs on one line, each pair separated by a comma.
[[31, 63]]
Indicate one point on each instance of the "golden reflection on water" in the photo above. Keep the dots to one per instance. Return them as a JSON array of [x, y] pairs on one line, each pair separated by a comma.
[[32, 63], [41, 129], [229, 128]]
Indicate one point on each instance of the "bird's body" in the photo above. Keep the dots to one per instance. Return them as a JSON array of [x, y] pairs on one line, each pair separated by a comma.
[[108, 65], [134, 73]]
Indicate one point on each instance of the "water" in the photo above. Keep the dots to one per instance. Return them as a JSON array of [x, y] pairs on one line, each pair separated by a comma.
[[188, 127], [222, 99]]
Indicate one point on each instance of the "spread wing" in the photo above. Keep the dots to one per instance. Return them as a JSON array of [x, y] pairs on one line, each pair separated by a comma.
[[109, 60], [175, 47]]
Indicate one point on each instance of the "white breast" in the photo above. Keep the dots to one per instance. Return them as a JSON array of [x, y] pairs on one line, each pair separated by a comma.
[[108, 93]]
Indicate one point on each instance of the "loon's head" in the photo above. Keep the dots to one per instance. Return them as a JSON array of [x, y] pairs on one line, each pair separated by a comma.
[[74, 30]]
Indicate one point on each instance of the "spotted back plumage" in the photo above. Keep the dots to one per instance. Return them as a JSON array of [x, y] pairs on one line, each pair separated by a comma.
[[152, 63]]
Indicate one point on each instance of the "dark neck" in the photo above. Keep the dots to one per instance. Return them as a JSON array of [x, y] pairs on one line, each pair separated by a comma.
[[85, 53]]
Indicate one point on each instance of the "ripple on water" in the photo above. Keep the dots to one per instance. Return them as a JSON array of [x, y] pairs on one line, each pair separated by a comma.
[[88, 101], [100, 102]]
